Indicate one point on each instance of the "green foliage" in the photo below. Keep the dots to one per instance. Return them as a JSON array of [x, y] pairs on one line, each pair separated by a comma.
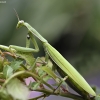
[[17, 90], [13, 85], [7, 71]]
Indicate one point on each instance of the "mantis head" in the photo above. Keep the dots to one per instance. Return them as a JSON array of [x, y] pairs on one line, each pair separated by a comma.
[[20, 23]]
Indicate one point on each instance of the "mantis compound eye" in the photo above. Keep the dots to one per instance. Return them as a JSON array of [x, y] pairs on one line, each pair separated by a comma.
[[20, 23]]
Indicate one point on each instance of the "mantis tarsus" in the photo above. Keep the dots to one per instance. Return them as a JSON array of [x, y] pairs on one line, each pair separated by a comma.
[[67, 69]]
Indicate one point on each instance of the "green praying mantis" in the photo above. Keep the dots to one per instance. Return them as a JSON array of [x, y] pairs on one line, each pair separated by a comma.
[[78, 83]]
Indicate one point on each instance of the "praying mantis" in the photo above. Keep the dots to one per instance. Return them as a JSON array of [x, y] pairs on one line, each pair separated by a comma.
[[78, 83]]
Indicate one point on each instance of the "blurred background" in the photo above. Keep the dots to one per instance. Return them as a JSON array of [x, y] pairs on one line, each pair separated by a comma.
[[71, 26]]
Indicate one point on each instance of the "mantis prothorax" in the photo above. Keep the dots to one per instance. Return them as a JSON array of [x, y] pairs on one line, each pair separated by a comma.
[[67, 69]]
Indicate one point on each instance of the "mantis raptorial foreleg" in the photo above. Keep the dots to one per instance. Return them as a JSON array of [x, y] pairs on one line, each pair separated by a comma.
[[25, 49], [28, 41], [24, 52]]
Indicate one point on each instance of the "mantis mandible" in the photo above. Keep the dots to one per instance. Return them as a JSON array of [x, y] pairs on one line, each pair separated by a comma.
[[61, 62]]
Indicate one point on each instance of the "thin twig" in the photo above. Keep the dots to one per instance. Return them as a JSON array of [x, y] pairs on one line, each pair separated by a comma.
[[38, 97], [69, 95], [29, 73]]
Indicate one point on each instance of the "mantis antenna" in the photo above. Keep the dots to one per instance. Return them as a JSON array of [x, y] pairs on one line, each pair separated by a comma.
[[16, 14]]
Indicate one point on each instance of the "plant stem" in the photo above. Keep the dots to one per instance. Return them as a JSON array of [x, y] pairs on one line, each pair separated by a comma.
[[37, 97], [29, 73], [68, 94]]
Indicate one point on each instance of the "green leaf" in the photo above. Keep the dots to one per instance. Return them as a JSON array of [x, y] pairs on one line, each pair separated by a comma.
[[7, 71], [16, 64], [46, 78], [34, 85], [18, 90], [4, 95], [27, 56], [49, 72], [40, 71]]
